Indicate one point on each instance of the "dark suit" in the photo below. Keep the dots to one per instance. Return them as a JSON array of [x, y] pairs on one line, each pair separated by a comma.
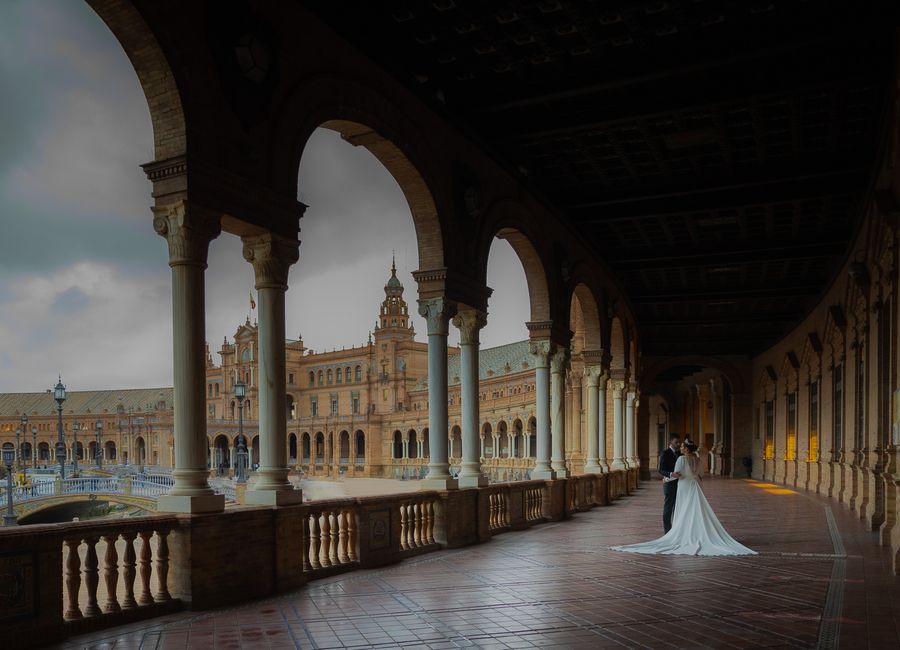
[[670, 488]]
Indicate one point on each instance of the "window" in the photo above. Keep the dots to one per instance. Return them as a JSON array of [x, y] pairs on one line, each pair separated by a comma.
[[217, 389], [838, 416], [330, 376], [358, 373], [312, 378], [790, 451], [314, 405], [770, 430], [347, 374], [355, 403], [212, 411], [813, 444], [291, 378], [334, 405], [339, 376], [321, 377], [209, 390]]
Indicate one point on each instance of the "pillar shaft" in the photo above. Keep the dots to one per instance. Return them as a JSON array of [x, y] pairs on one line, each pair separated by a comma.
[[601, 422], [592, 465], [470, 322], [542, 351], [437, 313], [271, 257], [629, 429], [558, 365], [188, 231], [577, 406], [618, 429]]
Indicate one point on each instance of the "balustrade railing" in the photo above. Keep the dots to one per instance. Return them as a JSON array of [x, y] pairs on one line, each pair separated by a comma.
[[416, 522], [330, 535], [498, 510], [534, 504]]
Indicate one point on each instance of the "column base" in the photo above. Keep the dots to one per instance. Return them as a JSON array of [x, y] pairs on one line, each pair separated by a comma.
[[593, 469], [286, 497], [193, 505], [477, 480], [618, 464], [440, 483], [543, 475]]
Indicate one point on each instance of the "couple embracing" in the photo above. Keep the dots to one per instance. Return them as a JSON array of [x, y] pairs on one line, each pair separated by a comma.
[[691, 527]]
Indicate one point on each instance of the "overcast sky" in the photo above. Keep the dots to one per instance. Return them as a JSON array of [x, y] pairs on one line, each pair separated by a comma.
[[84, 282]]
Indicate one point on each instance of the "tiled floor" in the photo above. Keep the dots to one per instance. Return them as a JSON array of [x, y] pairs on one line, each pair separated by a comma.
[[558, 586]]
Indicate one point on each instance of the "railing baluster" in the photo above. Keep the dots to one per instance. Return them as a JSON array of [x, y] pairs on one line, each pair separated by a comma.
[[145, 568], [314, 541], [429, 511], [333, 554], [72, 579], [325, 538], [343, 521], [162, 566], [404, 544], [111, 573], [352, 540], [128, 570], [91, 577]]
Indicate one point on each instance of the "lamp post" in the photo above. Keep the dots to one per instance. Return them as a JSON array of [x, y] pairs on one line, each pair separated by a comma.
[[10, 518], [33, 446], [141, 451], [59, 394], [99, 428], [18, 449], [240, 391], [76, 427]]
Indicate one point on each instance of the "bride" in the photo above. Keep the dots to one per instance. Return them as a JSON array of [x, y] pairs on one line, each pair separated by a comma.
[[695, 528]]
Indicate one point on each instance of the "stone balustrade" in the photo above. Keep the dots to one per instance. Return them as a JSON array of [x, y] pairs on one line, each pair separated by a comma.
[[102, 573]]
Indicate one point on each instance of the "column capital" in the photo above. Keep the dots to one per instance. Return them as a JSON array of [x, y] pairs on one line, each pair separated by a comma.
[[470, 323], [618, 387], [437, 313], [543, 350], [188, 229], [596, 376], [559, 361], [271, 256]]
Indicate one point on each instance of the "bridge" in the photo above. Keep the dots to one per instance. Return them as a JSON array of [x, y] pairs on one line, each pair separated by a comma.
[[141, 491]]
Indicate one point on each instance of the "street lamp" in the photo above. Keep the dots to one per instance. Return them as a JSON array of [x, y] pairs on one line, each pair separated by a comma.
[[240, 391], [24, 433], [18, 450], [10, 518], [33, 446], [99, 427], [59, 394], [76, 427]]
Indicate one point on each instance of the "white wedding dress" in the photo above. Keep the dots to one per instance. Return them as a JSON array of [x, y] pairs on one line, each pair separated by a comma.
[[695, 528]]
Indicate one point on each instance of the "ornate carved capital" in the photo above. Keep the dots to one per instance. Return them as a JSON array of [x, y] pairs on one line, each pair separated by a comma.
[[470, 323], [596, 376], [271, 257], [559, 362], [618, 387], [542, 350], [188, 230], [437, 313]]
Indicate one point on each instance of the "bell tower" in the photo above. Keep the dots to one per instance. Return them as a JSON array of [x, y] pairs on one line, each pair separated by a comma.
[[393, 318]]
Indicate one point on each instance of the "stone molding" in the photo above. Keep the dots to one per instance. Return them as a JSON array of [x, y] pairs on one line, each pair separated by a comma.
[[271, 256], [188, 230], [437, 313]]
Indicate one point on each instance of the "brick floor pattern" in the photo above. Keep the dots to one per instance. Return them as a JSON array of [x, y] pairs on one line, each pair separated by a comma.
[[558, 586]]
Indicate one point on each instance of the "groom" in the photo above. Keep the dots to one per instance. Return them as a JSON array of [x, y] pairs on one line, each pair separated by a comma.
[[670, 488]]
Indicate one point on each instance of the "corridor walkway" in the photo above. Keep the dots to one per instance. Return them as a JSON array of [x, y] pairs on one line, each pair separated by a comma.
[[819, 581]]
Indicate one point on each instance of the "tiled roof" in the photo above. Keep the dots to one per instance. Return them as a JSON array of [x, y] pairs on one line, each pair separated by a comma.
[[85, 401], [513, 356]]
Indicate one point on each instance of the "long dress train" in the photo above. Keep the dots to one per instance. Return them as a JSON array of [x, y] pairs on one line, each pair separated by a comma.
[[695, 528]]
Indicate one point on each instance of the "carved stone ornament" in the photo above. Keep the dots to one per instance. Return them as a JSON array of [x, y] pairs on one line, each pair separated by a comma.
[[271, 257], [542, 350], [437, 313], [188, 231], [470, 323], [559, 362], [593, 375], [618, 387]]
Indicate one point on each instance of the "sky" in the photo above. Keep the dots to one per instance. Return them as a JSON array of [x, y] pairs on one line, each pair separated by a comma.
[[84, 283]]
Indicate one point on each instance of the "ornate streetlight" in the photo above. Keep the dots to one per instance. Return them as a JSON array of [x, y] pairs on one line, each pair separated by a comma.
[[99, 428], [33, 446], [10, 518], [76, 427], [59, 394], [240, 391]]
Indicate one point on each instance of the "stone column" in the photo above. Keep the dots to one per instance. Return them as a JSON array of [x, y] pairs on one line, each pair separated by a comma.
[[542, 350], [558, 364], [592, 375], [601, 421], [618, 388], [437, 313], [188, 231], [577, 395], [271, 257], [629, 429], [470, 322]]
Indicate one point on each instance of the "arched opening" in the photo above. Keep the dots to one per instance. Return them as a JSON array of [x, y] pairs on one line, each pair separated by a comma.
[[487, 440], [398, 445], [502, 440], [344, 448], [518, 443], [292, 449], [110, 452], [221, 454], [43, 452], [412, 444], [320, 448], [456, 443], [305, 448], [360, 447], [254, 452], [530, 440], [425, 451]]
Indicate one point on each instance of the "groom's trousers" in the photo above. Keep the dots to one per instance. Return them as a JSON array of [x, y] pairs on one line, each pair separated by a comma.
[[670, 491]]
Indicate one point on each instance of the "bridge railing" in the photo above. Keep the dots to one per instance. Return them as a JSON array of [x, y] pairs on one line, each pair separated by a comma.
[[148, 488]]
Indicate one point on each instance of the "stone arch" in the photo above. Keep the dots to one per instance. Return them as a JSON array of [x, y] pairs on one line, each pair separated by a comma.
[[584, 319], [154, 73], [731, 372], [365, 117]]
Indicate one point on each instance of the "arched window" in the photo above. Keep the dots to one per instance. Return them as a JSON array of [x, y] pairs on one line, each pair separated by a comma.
[[248, 410], [320, 447], [330, 377], [304, 448], [340, 376], [347, 374], [292, 449], [398, 444], [312, 378], [321, 378], [245, 355], [232, 409], [344, 447], [360, 447], [358, 375]]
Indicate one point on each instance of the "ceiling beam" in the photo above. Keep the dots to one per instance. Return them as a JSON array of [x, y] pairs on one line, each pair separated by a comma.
[[740, 293], [717, 320]]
